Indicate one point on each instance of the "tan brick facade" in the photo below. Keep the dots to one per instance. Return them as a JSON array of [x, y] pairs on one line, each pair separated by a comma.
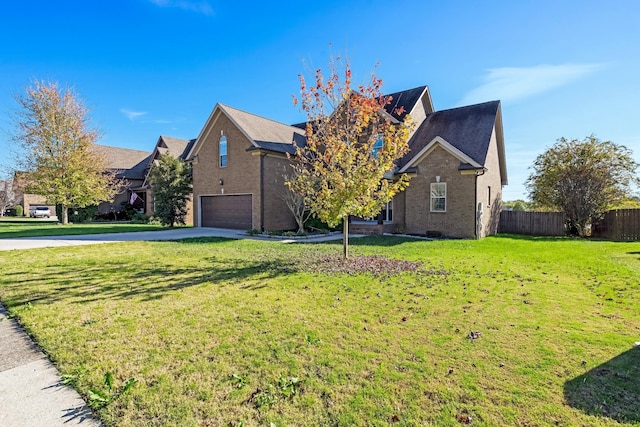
[[489, 190], [459, 218], [461, 147], [276, 215], [242, 175]]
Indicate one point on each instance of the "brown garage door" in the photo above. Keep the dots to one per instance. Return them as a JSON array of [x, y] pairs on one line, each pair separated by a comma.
[[233, 211]]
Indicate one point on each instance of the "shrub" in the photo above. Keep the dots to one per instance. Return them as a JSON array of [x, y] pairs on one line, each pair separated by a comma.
[[316, 224], [19, 210], [140, 218], [79, 215]]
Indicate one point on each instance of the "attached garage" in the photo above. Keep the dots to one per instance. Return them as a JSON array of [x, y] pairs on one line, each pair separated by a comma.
[[228, 211]]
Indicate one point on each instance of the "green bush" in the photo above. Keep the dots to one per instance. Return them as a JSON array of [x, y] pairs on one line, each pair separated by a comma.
[[315, 224], [140, 218], [79, 215], [19, 210]]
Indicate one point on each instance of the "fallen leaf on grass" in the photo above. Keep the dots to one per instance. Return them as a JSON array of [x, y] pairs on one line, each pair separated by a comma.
[[464, 418]]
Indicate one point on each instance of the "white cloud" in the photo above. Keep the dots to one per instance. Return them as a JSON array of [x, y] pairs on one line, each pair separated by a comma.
[[512, 84], [202, 7], [132, 115]]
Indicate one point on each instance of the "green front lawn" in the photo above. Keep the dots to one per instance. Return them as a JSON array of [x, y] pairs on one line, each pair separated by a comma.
[[502, 331], [11, 229]]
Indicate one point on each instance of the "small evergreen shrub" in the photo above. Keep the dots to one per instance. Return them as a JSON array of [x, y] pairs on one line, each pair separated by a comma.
[[80, 215], [19, 210]]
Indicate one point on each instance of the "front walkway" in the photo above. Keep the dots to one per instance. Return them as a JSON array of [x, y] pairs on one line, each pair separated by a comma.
[[31, 392]]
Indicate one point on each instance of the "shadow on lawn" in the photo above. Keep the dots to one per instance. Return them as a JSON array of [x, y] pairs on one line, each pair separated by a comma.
[[610, 390], [118, 280]]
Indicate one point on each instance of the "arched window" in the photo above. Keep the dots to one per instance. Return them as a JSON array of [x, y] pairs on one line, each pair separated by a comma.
[[223, 151]]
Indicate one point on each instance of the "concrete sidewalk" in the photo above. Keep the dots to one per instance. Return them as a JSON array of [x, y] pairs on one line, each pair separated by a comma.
[[31, 392]]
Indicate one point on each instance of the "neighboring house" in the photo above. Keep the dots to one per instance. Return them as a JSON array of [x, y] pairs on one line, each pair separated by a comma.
[[7, 196], [456, 164], [144, 195], [24, 199], [129, 166]]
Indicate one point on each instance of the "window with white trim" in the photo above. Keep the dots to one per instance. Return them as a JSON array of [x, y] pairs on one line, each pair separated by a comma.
[[223, 151], [438, 197], [387, 212]]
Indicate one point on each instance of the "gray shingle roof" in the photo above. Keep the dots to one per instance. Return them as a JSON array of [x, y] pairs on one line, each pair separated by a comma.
[[467, 128], [262, 130], [406, 99], [176, 147], [127, 163]]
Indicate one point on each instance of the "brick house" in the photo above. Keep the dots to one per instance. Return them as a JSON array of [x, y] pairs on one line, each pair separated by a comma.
[[456, 164], [144, 195], [128, 165]]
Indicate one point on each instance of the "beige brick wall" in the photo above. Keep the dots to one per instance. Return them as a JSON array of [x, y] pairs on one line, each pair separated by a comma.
[[459, 219], [491, 200], [277, 215], [241, 176]]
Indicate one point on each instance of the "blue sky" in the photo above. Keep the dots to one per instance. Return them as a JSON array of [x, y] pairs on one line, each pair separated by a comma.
[[158, 67]]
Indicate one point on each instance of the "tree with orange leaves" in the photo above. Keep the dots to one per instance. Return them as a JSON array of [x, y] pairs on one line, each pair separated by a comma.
[[345, 168]]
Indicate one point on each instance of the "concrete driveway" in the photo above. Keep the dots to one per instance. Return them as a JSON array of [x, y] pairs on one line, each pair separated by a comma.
[[93, 239], [173, 234]]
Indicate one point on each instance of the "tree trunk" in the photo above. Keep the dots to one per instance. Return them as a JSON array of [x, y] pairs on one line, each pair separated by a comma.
[[65, 215], [345, 237]]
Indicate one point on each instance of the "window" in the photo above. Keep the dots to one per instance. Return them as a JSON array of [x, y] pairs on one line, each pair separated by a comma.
[[387, 212], [439, 197], [223, 151], [489, 197], [377, 146]]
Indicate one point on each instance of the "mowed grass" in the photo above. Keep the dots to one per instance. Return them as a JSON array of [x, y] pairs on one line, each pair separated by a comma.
[[11, 229], [502, 331]]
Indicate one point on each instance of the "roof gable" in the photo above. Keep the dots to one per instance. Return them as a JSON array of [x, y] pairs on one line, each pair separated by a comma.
[[263, 133], [174, 146], [407, 100], [126, 162], [468, 129]]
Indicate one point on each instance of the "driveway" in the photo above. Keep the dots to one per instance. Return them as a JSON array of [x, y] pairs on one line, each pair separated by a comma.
[[93, 239], [174, 234]]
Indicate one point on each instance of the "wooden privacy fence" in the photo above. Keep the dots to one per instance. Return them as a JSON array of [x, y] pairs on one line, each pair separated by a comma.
[[619, 224], [533, 223]]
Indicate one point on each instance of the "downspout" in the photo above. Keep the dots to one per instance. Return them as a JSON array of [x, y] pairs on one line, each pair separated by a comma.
[[261, 192], [475, 203]]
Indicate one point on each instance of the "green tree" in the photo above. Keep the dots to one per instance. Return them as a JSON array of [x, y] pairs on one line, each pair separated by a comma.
[[170, 180], [53, 128], [351, 148], [584, 179], [516, 205]]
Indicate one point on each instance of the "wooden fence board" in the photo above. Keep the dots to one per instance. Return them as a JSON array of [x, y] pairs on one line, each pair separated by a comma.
[[619, 224], [532, 223]]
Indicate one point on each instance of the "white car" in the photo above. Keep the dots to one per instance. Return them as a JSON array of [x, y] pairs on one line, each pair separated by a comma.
[[39, 212]]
